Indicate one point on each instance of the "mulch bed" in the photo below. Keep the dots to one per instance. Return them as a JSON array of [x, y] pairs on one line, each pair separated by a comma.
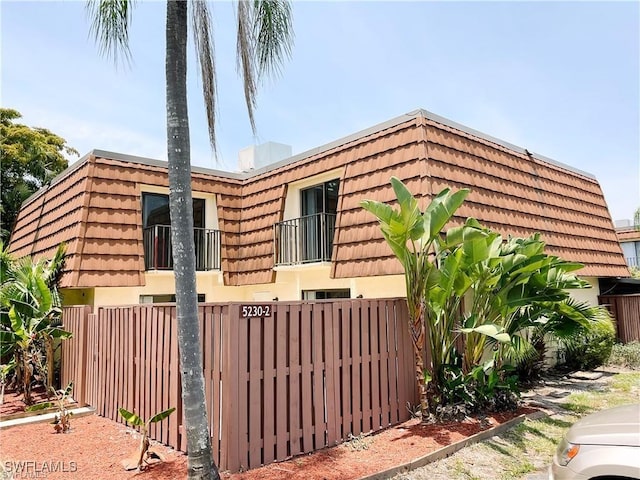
[[96, 446], [374, 453], [13, 401]]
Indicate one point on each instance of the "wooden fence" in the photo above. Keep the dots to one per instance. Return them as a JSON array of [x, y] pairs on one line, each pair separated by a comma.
[[299, 380], [626, 312]]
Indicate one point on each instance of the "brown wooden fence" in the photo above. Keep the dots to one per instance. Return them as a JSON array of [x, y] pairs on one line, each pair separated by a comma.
[[626, 312], [291, 383]]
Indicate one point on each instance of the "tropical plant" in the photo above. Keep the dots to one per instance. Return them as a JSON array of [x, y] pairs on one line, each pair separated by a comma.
[[264, 39], [526, 289], [457, 257], [144, 454], [5, 370], [62, 421], [411, 233], [30, 316], [625, 355], [503, 297], [590, 347]]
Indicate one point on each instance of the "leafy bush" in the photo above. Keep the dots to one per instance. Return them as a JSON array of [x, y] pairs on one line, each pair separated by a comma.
[[625, 355], [483, 389], [591, 347]]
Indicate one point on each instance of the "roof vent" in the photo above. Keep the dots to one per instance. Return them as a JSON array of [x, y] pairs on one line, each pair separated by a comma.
[[258, 156]]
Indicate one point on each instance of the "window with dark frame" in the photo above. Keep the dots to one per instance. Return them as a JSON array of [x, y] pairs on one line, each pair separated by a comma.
[[165, 298], [327, 294], [155, 210], [156, 227]]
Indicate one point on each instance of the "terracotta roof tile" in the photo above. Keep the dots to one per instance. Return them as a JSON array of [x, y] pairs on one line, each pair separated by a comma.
[[628, 234], [96, 205]]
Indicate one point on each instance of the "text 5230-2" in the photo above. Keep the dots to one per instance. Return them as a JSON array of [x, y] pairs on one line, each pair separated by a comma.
[[248, 311]]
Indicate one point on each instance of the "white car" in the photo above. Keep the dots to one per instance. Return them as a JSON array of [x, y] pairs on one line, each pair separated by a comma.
[[602, 446]]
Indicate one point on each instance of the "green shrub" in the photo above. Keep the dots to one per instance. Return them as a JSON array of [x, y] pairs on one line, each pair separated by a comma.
[[591, 347], [483, 389], [625, 355]]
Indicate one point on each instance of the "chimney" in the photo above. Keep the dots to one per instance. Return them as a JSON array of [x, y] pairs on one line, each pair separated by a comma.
[[622, 223], [258, 156]]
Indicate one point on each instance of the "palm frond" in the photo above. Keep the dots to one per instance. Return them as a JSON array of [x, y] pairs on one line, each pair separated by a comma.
[[520, 349], [264, 41], [110, 20], [54, 268], [205, 56], [6, 263], [274, 36], [246, 57]]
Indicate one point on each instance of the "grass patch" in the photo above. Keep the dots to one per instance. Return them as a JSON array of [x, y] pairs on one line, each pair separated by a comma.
[[461, 470], [516, 471], [530, 445], [623, 389], [626, 382]]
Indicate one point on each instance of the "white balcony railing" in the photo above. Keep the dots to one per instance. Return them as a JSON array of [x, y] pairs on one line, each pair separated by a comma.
[[633, 261]]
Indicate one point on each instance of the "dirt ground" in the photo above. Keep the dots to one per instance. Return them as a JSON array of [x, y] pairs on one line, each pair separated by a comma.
[[95, 448], [366, 455], [486, 460]]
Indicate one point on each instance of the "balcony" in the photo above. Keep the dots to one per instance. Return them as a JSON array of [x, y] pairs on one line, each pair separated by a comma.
[[303, 240], [633, 262], [157, 248]]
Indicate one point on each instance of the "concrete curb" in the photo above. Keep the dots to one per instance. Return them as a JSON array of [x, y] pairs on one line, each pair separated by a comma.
[[46, 417], [453, 448]]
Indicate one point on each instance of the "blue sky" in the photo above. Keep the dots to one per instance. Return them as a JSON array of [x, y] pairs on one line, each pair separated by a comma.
[[560, 79]]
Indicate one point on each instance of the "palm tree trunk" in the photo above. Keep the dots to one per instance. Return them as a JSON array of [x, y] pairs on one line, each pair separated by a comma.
[[417, 332], [200, 460]]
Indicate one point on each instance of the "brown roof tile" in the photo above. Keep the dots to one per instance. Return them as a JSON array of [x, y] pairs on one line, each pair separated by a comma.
[[628, 234], [96, 205]]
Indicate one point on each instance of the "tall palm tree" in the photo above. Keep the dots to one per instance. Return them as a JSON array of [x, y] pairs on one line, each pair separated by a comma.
[[264, 40]]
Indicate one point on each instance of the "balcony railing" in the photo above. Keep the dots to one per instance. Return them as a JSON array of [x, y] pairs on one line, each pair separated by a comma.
[[304, 240], [157, 248], [633, 261]]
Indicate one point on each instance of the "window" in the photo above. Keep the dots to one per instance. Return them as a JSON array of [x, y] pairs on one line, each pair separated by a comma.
[[155, 210], [156, 224], [326, 294], [166, 298], [321, 198], [319, 206], [309, 238]]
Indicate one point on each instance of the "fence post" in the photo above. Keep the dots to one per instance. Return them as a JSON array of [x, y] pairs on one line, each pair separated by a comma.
[[230, 441], [81, 392]]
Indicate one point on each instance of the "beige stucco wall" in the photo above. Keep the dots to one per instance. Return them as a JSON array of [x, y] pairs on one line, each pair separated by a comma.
[[291, 281], [161, 283], [588, 295], [289, 284], [78, 296]]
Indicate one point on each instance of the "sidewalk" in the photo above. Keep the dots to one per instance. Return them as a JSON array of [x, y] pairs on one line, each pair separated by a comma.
[[44, 417]]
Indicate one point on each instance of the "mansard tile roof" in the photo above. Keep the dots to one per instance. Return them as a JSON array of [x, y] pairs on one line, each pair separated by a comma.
[[95, 205]]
